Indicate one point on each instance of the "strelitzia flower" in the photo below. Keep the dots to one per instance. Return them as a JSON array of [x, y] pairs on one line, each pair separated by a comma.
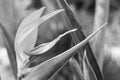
[[24, 45], [26, 37], [49, 67]]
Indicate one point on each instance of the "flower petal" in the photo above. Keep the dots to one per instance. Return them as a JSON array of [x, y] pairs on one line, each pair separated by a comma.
[[27, 34], [48, 68], [30, 41], [28, 20], [46, 46]]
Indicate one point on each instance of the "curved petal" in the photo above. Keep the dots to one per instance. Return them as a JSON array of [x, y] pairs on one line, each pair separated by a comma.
[[29, 42], [46, 46], [48, 68], [27, 34], [28, 20]]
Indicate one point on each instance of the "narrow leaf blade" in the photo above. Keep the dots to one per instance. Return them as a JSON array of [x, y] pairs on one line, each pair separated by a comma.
[[81, 36], [76, 69], [10, 48], [85, 70], [46, 69]]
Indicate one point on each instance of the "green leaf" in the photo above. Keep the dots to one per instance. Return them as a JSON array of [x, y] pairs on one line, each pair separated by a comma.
[[10, 48], [48, 68], [7, 13], [85, 70], [42, 48], [80, 36], [76, 69], [101, 15]]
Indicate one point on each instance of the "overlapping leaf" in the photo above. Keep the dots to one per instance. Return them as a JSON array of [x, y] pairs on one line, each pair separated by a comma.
[[46, 69], [76, 69], [85, 70], [80, 36]]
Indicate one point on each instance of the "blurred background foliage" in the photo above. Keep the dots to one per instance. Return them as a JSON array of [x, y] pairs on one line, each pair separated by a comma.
[[12, 12]]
